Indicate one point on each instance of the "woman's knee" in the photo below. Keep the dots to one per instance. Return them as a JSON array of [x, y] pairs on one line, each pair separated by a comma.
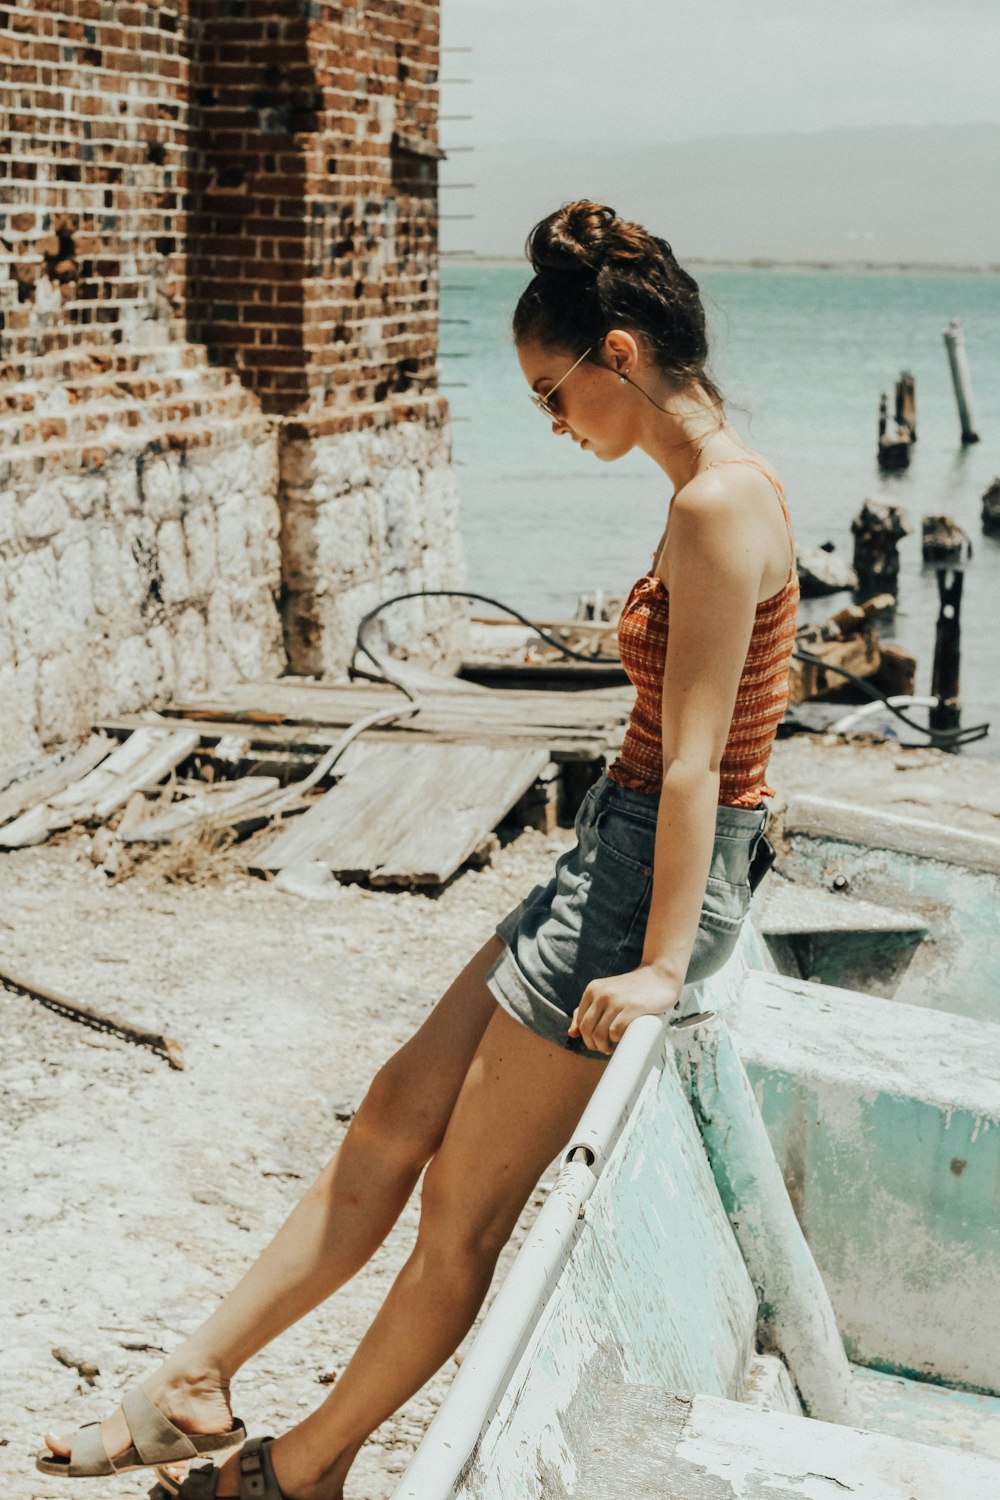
[[398, 1115], [463, 1223]]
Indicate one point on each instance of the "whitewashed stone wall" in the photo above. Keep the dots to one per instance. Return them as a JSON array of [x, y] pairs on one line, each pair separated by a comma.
[[366, 515], [162, 574], [155, 575]]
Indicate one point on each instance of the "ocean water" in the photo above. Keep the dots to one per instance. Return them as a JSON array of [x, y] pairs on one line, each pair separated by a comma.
[[803, 355]]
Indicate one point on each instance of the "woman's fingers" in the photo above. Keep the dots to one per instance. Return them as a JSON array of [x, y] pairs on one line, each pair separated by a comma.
[[592, 1018], [601, 1040]]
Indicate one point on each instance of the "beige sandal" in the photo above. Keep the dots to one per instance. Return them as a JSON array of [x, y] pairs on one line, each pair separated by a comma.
[[155, 1440]]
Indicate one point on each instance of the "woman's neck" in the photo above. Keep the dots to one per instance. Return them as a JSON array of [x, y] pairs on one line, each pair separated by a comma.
[[679, 437]]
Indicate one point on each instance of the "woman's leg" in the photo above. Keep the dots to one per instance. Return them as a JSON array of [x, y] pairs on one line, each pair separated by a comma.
[[341, 1220], [517, 1108]]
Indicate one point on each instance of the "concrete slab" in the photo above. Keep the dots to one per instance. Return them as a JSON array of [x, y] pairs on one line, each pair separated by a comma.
[[653, 1446], [885, 1119]]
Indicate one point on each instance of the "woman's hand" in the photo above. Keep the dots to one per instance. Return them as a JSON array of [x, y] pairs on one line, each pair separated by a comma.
[[609, 1005]]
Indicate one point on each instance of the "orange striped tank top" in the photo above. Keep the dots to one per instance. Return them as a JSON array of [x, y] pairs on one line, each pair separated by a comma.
[[760, 699]]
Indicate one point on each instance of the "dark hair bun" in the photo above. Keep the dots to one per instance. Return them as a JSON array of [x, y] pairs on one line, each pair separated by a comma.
[[582, 237]]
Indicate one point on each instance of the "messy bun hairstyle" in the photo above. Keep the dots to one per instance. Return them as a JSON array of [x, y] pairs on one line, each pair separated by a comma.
[[594, 272]]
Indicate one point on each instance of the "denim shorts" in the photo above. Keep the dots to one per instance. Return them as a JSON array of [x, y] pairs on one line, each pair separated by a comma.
[[589, 921]]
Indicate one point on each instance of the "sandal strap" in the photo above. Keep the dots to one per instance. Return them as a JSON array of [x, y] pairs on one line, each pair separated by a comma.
[[257, 1479], [154, 1437], [198, 1484], [88, 1457]]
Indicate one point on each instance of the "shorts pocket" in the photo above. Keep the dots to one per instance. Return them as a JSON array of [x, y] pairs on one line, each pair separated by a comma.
[[725, 903], [722, 913], [629, 841]]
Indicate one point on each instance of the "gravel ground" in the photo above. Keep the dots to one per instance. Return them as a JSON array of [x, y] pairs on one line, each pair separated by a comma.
[[136, 1194]]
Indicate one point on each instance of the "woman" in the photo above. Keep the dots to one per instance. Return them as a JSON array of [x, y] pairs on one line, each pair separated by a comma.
[[610, 334]]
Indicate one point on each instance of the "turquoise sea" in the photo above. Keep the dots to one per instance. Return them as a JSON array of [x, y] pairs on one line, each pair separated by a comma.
[[806, 354]]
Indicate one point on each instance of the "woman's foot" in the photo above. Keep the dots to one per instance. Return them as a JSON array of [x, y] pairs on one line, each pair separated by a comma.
[[195, 1403], [300, 1474]]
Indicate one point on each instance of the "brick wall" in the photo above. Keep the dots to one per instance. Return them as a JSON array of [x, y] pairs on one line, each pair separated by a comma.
[[218, 266]]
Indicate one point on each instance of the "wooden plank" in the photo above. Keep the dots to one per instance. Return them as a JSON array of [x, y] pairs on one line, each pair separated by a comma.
[[139, 762], [408, 815], [205, 805], [40, 787], [563, 744], [318, 703]]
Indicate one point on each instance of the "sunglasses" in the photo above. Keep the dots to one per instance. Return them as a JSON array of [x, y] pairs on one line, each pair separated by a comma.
[[544, 402]]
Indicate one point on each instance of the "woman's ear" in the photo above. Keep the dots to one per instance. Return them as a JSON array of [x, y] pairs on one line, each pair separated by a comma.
[[621, 351]]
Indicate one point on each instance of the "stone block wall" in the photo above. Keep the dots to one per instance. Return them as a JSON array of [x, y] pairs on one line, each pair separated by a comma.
[[218, 287], [366, 515]]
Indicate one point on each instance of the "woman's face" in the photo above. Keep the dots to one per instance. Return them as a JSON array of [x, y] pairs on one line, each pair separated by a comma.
[[588, 404]]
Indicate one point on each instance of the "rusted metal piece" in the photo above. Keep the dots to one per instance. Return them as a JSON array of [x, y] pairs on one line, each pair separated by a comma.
[[164, 1046]]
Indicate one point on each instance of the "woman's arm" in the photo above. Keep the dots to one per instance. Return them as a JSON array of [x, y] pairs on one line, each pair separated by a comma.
[[717, 562]]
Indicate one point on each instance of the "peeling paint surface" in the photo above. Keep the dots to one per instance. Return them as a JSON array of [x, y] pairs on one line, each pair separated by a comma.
[[928, 1413], [754, 1452], [654, 1291], [867, 1106], [662, 1447], [957, 969]]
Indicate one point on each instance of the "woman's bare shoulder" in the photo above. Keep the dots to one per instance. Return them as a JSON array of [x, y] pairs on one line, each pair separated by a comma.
[[727, 511]]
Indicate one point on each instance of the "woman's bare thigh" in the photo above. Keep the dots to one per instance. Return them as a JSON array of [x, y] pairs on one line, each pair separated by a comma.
[[517, 1107], [420, 1082]]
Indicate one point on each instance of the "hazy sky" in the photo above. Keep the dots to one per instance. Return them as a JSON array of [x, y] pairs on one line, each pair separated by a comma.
[[655, 70]]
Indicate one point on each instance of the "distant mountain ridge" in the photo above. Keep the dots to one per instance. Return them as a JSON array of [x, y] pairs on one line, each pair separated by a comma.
[[881, 195]]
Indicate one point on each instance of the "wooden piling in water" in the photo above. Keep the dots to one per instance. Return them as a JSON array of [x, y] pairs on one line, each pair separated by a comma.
[[954, 342], [947, 712], [877, 529], [906, 403]]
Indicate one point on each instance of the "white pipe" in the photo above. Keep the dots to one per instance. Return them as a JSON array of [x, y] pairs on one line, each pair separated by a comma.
[[954, 342], [601, 1122], [866, 710], [435, 1468], [475, 1392]]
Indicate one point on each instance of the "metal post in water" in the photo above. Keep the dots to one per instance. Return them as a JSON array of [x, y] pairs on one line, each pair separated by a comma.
[[947, 711], [954, 342]]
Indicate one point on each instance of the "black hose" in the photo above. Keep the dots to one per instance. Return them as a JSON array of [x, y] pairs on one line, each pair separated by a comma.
[[362, 645], [944, 739]]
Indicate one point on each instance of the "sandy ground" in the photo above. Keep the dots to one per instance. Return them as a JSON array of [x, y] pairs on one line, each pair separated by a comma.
[[134, 1195]]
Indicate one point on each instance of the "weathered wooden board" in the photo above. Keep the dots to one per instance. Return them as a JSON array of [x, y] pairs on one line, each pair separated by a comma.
[[564, 744], [38, 789], [407, 814], [139, 762], [859, 654], [307, 702], [223, 800]]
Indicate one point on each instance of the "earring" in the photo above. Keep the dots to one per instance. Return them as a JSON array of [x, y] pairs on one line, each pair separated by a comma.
[[623, 379]]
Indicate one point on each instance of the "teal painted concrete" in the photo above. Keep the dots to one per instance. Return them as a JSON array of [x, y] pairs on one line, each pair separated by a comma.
[[928, 1413], [959, 969], [893, 1166], [795, 1315], [654, 1291]]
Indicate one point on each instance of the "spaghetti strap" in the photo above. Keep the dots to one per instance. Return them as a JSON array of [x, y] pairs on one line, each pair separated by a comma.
[[779, 490]]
